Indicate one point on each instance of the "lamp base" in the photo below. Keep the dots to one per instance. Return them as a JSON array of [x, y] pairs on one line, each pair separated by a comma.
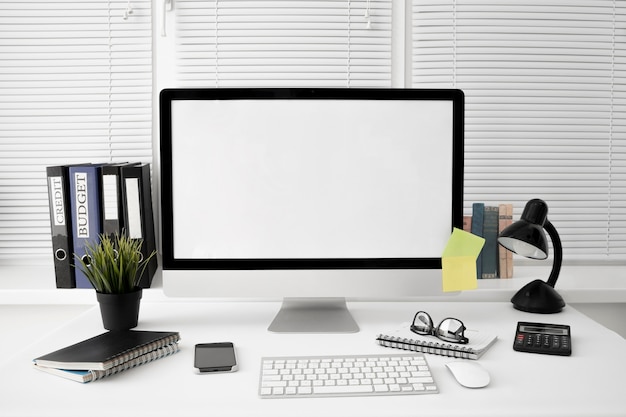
[[538, 297]]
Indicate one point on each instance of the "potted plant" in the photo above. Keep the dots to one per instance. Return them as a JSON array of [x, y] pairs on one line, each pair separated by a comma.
[[114, 265]]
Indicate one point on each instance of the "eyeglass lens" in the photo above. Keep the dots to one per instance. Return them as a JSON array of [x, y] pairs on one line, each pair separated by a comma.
[[450, 330], [423, 323]]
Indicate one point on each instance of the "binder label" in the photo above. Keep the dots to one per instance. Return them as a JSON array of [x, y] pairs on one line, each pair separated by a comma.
[[82, 205], [133, 205], [109, 193], [56, 192]]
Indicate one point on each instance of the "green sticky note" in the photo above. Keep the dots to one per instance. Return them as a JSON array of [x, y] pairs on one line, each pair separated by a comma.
[[459, 261]]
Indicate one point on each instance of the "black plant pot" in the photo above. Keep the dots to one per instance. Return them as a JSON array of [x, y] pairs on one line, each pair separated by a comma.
[[120, 311]]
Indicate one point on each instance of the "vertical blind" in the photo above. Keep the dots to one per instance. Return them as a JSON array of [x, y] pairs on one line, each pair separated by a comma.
[[283, 43], [545, 85], [75, 86]]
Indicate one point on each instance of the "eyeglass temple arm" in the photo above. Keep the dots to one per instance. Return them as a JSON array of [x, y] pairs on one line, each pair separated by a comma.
[[558, 253]]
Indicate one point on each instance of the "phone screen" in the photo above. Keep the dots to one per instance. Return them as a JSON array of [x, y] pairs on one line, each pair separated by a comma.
[[215, 357]]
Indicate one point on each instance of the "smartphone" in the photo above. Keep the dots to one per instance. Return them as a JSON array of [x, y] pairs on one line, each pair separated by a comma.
[[215, 357]]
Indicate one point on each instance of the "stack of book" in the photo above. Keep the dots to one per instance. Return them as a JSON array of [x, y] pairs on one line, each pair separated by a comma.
[[88, 200], [108, 354], [487, 222]]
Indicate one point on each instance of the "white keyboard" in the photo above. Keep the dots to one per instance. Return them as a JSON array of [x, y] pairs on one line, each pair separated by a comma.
[[340, 376]]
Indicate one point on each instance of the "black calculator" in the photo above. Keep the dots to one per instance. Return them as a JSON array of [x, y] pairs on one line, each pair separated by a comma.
[[549, 339]]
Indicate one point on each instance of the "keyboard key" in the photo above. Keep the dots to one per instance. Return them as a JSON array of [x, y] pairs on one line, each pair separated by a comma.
[[381, 388], [344, 389]]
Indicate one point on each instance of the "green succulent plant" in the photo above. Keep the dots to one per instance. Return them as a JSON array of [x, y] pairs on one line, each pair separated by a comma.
[[113, 265]]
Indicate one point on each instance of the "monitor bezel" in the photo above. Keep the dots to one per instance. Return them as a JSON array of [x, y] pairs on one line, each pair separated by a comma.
[[167, 96]]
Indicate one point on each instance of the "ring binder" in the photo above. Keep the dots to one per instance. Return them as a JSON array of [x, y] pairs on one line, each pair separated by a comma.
[[138, 215], [61, 225]]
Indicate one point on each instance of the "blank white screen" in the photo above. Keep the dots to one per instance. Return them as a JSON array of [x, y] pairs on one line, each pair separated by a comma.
[[257, 179]]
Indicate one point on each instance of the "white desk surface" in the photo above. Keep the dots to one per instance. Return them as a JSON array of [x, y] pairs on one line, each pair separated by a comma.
[[588, 383]]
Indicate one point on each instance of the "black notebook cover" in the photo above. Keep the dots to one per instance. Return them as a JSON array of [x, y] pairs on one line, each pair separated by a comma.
[[107, 350]]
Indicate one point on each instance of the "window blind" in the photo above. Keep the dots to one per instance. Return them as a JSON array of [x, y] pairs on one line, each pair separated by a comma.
[[545, 107], [283, 43], [75, 86]]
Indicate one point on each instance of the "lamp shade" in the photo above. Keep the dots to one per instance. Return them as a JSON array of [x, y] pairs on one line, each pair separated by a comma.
[[526, 237]]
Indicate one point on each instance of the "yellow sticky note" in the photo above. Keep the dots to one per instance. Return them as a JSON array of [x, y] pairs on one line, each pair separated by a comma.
[[459, 261]]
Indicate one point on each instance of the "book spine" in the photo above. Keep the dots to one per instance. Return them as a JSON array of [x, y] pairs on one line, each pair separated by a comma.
[[433, 348], [505, 256], [86, 219], [478, 213], [61, 226], [151, 356], [509, 254], [138, 214], [467, 224], [490, 250]]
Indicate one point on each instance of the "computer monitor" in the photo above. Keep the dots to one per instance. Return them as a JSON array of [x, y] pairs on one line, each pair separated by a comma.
[[312, 195]]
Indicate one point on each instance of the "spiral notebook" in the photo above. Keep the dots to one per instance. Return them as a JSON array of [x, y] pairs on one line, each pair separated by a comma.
[[107, 350], [403, 338], [89, 375]]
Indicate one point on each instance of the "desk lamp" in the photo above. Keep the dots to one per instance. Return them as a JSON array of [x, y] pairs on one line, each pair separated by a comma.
[[526, 237]]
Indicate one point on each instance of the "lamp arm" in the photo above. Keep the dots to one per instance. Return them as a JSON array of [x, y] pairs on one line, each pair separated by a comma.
[[558, 253]]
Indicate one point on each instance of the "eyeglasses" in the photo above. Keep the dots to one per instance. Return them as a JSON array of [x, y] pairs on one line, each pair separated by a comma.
[[450, 329]]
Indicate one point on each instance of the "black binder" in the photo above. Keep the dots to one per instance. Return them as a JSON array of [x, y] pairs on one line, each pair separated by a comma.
[[86, 213], [61, 226], [138, 214], [112, 199]]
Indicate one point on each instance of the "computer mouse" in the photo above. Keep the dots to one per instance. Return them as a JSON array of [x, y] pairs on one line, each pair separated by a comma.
[[468, 373]]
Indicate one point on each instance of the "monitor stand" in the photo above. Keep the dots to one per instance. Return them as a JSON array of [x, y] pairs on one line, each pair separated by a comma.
[[314, 315]]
